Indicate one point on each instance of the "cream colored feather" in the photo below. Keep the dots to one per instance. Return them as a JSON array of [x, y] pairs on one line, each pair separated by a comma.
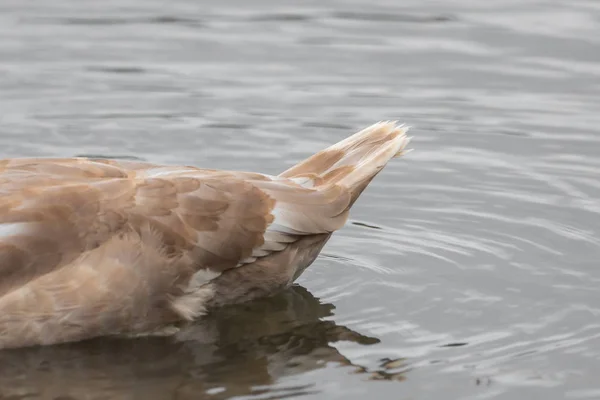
[[103, 247]]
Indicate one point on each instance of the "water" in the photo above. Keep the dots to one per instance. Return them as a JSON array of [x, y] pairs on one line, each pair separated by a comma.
[[469, 268]]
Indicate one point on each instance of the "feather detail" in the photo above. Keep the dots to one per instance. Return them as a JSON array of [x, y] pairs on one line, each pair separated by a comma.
[[93, 247]]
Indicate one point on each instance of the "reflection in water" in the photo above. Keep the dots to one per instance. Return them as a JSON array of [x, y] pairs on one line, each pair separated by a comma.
[[232, 352]]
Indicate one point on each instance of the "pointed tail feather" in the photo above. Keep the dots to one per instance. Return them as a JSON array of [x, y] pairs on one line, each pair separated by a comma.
[[353, 162]]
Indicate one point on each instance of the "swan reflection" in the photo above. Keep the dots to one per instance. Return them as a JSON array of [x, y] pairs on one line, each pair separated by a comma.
[[229, 353]]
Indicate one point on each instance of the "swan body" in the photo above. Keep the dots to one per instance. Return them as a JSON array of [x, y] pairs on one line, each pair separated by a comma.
[[94, 247]]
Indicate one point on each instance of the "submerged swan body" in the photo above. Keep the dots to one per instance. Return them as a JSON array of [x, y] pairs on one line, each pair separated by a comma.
[[103, 247]]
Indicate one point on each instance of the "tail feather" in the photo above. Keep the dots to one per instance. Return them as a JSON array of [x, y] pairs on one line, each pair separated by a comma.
[[355, 161]]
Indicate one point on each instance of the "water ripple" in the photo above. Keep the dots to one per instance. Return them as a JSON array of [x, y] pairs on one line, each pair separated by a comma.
[[468, 269]]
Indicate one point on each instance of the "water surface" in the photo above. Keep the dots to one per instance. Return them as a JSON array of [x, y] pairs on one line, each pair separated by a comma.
[[469, 269]]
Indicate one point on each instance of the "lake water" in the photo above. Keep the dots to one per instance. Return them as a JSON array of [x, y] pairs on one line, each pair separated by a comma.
[[469, 269]]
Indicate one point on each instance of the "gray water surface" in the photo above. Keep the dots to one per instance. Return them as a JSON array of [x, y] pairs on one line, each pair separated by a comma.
[[469, 269]]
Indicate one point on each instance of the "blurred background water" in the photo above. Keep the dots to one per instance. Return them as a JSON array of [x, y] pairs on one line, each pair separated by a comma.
[[469, 269]]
